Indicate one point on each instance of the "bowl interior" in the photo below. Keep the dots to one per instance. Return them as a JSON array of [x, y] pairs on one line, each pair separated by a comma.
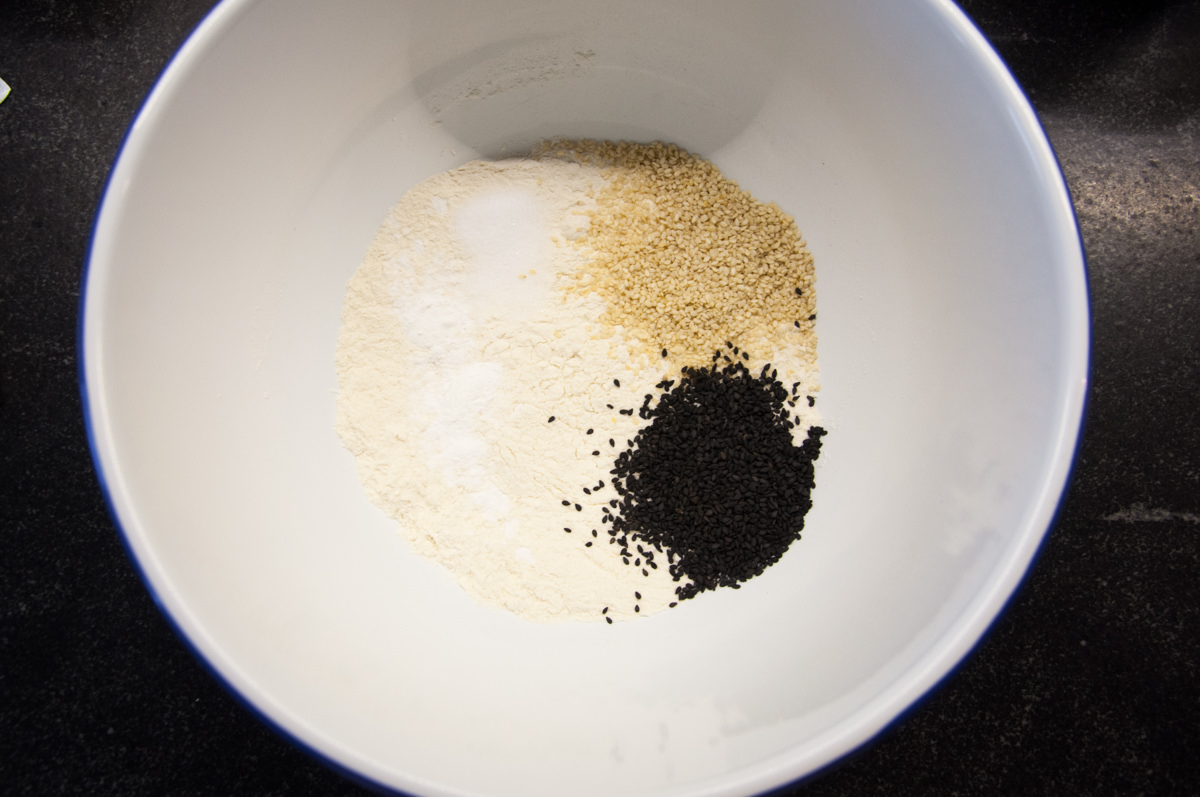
[[953, 340]]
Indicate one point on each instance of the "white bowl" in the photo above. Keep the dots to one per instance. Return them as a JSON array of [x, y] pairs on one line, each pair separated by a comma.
[[954, 340]]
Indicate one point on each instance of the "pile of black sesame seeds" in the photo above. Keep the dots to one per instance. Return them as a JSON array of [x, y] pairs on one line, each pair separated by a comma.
[[714, 484]]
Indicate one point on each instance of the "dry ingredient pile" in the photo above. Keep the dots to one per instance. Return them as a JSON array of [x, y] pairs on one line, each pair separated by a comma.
[[545, 377]]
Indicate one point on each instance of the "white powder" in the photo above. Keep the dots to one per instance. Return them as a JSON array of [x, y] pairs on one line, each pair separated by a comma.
[[457, 345]]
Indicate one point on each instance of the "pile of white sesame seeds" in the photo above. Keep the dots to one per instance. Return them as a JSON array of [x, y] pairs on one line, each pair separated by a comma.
[[685, 259]]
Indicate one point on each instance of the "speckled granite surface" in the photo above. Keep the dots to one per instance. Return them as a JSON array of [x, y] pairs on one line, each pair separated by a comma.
[[1089, 684]]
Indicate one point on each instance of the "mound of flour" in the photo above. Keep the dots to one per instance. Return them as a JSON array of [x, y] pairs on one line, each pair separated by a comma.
[[458, 344]]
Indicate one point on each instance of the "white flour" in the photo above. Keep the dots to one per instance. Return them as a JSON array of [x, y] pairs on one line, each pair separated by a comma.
[[456, 347]]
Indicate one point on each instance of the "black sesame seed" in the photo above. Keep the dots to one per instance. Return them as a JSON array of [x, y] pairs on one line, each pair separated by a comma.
[[811, 401], [617, 382], [578, 508], [715, 480], [587, 490], [644, 573], [609, 619], [797, 323], [637, 608], [551, 419], [672, 605], [589, 431], [812, 317], [664, 354], [566, 503], [604, 610], [637, 595], [595, 453], [594, 534], [567, 530], [587, 544]]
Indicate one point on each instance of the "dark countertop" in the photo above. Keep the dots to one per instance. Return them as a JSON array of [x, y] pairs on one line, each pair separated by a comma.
[[1089, 684]]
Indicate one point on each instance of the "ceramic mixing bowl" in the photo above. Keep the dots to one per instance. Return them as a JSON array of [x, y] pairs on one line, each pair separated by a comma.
[[953, 341]]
